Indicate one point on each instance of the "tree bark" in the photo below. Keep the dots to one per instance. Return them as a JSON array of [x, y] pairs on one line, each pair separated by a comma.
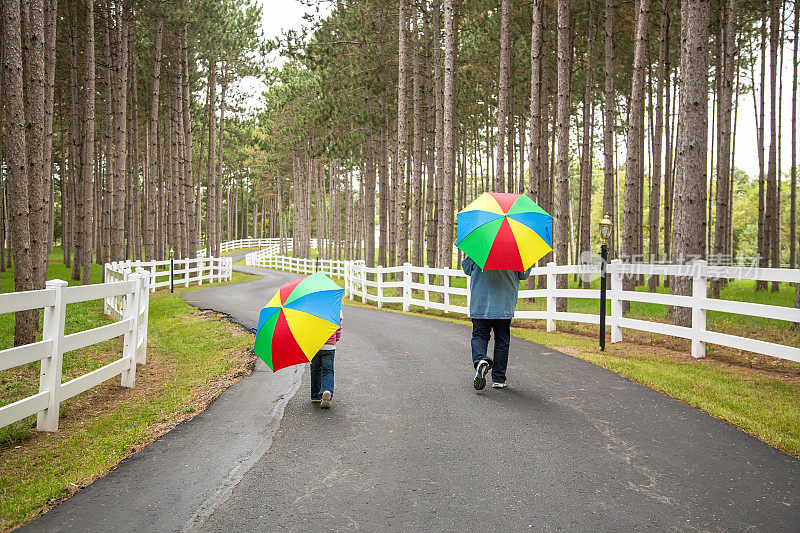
[[608, 121], [634, 176], [400, 154], [17, 172], [772, 206], [562, 226], [85, 214], [211, 200], [150, 208], [724, 109], [417, 210], [51, 17], [586, 155], [690, 194], [502, 101], [450, 124]]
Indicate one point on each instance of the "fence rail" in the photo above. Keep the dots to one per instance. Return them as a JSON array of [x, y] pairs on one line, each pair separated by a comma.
[[412, 286], [132, 326], [243, 244], [182, 273]]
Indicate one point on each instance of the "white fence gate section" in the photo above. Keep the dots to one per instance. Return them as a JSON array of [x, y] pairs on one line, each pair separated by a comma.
[[412, 285], [54, 344]]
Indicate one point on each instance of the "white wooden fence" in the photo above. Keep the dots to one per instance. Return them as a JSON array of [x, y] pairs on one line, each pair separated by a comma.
[[412, 286], [182, 273], [243, 244], [54, 344]]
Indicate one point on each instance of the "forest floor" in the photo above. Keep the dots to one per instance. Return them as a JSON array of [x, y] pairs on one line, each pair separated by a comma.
[[192, 357]]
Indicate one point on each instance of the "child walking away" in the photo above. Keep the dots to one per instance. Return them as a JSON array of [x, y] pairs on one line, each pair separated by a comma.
[[493, 300], [322, 371]]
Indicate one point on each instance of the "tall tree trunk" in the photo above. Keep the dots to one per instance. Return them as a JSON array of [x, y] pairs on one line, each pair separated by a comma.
[[450, 125], [400, 154], [150, 214], [438, 94], [431, 39], [724, 108], [211, 200], [120, 137], [502, 101], [51, 18], [771, 209], [218, 186], [189, 181], [762, 241], [608, 120], [655, 179], [586, 159], [793, 171], [535, 133], [690, 184], [33, 59], [417, 211], [75, 241], [562, 227], [17, 172], [85, 214], [634, 176]]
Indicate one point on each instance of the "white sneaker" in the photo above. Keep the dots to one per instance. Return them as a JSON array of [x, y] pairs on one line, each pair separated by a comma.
[[499, 385], [325, 403]]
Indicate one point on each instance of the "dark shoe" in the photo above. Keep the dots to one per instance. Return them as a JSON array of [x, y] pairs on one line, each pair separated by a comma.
[[325, 403], [480, 374]]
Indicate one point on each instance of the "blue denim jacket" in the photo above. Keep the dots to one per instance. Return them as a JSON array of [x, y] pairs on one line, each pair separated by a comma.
[[493, 292]]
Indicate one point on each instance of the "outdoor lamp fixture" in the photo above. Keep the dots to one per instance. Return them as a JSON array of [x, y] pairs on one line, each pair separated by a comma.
[[606, 225], [171, 270]]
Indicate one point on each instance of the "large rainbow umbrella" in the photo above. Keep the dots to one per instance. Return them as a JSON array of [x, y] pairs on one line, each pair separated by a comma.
[[298, 320], [504, 231]]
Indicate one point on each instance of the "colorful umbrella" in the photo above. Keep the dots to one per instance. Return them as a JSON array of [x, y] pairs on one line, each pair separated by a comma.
[[504, 231], [298, 320]]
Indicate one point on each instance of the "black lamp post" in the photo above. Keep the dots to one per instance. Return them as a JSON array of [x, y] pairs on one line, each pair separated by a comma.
[[605, 232], [171, 270]]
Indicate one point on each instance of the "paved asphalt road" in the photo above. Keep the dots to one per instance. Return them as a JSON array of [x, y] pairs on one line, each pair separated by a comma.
[[410, 445]]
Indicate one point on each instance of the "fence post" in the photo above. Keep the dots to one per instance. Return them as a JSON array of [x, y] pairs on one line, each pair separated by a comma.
[[363, 284], [406, 286], [153, 277], [699, 294], [379, 283], [132, 337], [551, 300], [144, 304], [446, 284], [186, 273], [50, 371], [616, 302], [106, 307]]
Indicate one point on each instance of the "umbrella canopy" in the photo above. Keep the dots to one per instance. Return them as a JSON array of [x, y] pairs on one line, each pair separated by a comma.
[[297, 321], [504, 231]]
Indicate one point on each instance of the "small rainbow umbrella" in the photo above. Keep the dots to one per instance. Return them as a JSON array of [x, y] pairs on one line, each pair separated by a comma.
[[298, 320], [504, 231]]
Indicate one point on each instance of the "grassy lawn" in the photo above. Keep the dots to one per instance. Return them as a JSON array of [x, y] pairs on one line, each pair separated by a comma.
[[192, 356]]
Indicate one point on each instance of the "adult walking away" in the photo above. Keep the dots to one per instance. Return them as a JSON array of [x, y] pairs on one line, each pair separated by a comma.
[[493, 300]]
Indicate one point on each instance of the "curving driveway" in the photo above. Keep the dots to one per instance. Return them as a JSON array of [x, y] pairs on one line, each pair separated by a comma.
[[410, 445]]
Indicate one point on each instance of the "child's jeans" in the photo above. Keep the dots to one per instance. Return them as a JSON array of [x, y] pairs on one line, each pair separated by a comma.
[[322, 373], [481, 330]]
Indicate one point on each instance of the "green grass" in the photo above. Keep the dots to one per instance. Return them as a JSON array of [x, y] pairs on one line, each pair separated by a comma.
[[188, 354]]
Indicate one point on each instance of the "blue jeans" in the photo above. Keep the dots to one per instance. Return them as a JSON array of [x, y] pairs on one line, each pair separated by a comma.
[[322, 373], [481, 332]]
